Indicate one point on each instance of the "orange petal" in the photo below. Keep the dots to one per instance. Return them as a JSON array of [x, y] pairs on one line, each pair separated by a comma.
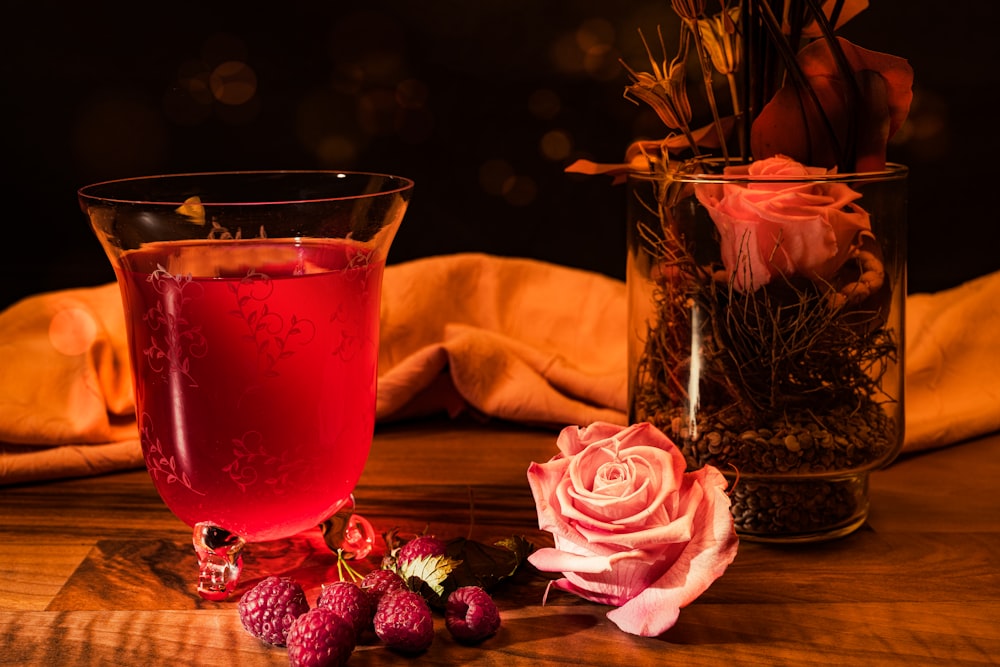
[[790, 123]]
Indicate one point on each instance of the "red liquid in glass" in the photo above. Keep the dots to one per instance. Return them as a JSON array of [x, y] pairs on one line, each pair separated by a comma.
[[255, 366]]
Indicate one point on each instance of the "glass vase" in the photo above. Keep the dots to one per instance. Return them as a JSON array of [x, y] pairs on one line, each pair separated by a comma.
[[766, 334]]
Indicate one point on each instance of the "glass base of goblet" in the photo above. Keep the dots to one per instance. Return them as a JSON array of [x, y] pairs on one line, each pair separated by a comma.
[[220, 552], [220, 560]]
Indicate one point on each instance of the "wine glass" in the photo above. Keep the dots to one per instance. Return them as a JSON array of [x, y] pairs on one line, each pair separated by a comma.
[[252, 310]]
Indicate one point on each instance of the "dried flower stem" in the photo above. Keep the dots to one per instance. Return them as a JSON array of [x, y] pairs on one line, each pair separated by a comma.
[[706, 71], [734, 94]]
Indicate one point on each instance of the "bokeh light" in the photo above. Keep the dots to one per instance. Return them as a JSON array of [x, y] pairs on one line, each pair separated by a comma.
[[233, 82], [219, 83], [589, 50], [72, 330], [556, 145]]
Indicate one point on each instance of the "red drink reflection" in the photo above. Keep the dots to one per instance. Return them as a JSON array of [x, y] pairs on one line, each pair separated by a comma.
[[255, 368]]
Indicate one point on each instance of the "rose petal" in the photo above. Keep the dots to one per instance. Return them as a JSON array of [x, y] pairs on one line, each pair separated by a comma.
[[570, 587], [642, 490], [894, 72], [574, 439], [544, 481], [741, 251], [848, 226], [704, 559], [556, 560], [630, 572], [659, 533], [614, 479], [790, 124], [629, 576]]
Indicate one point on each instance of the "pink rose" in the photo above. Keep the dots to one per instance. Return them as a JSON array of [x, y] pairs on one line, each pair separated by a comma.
[[782, 226], [631, 528]]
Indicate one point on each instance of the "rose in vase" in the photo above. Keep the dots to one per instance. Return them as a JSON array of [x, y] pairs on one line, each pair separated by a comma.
[[631, 528], [774, 226]]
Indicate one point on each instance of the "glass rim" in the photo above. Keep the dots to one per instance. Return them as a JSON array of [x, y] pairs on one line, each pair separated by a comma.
[[92, 192], [893, 172]]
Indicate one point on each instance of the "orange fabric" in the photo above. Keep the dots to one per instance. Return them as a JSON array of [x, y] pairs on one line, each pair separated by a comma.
[[953, 364], [510, 338], [66, 399], [515, 339], [519, 339]]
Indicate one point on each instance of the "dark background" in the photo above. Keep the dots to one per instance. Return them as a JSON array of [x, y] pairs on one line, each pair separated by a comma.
[[483, 103]]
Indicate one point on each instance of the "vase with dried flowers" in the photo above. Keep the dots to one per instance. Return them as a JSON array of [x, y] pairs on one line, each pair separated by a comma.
[[766, 259]]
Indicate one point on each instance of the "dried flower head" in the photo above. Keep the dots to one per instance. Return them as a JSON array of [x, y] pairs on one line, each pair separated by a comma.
[[665, 90], [689, 10], [721, 40]]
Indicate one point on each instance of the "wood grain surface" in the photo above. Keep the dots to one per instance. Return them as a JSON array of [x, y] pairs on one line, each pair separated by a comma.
[[98, 572]]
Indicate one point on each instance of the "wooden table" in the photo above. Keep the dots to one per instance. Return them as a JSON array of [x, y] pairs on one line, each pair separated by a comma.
[[97, 571]]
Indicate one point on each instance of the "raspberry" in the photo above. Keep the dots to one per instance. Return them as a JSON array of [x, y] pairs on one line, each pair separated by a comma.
[[347, 600], [423, 546], [403, 621], [268, 610], [379, 582], [320, 638], [471, 615]]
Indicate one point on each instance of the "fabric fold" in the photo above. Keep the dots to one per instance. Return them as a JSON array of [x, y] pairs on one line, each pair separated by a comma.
[[64, 371], [952, 363]]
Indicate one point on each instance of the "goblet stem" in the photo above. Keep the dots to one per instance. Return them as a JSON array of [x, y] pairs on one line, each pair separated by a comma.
[[220, 560], [349, 534]]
